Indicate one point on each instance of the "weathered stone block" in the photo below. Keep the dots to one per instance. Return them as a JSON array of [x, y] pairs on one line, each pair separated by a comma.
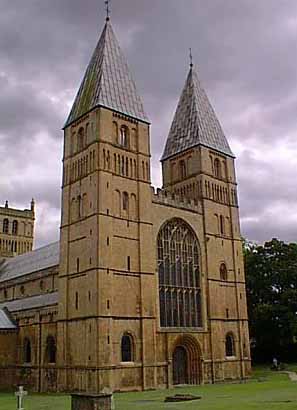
[[82, 401]]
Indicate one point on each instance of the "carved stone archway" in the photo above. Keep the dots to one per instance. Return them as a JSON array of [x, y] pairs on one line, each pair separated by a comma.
[[186, 361]]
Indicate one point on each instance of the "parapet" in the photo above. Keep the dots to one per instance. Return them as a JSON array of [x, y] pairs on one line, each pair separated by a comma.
[[25, 213], [163, 197]]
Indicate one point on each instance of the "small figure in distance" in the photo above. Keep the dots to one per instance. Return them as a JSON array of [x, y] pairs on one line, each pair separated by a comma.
[[274, 364]]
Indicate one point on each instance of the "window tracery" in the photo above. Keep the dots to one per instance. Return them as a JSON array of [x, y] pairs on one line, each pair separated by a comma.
[[179, 276]]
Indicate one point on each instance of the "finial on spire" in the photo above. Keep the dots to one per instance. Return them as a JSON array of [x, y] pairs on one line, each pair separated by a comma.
[[107, 4], [191, 59]]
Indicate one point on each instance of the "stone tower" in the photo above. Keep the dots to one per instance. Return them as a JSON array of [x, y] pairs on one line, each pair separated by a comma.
[[16, 230], [106, 281], [199, 165]]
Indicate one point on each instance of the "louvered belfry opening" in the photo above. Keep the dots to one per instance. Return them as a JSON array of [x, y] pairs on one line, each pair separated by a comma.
[[179, 276]]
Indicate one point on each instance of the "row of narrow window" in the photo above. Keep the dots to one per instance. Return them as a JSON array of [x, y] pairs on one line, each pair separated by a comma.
[[127, 350], [234, 199], [81, 140], [22, 289], [5, 226], [218, 193], [125, 137], [125, 205], [223, 225], [78, 208], [127, 167], [50, 351], [80, 168], [15, 227], [189, 191], [181, 169], [218, 167], [15, 246]]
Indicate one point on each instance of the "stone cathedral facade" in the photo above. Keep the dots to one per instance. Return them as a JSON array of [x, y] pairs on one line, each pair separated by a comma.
[[145, 288]]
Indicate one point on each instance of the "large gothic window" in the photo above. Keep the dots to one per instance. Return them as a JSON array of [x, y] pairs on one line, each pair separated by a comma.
[[179, 276]]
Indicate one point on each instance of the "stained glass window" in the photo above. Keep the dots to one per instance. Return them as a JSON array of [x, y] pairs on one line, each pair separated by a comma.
[[179, 276]]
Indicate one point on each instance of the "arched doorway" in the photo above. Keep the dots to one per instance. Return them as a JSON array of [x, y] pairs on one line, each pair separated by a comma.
[[180, 365], [186, 361]]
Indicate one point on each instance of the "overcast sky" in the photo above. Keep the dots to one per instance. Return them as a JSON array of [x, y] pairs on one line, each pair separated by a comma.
[[245, 53]]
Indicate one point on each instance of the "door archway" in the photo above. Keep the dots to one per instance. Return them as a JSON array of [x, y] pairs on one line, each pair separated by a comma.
[[180, 366], [186, 361]]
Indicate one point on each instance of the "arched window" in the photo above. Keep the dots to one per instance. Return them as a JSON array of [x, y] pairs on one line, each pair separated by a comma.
[[222, 225], [115, 131], [179, 276], [124, 137], [15, 227], [182, 169], [27, 351], [125, 201], [127, 348], [230, 345], [217, 168], [51, 350], [223, 272], [80, 139], [5, 226]]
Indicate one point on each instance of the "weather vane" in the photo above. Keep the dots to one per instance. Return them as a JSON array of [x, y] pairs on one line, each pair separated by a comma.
[[191, 58], [107, 3]]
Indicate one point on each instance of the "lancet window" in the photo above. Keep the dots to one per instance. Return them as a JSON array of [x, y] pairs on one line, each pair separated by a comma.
[[179, 276]]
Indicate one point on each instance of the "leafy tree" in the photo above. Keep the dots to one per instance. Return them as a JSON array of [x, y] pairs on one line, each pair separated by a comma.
[[271, 278]]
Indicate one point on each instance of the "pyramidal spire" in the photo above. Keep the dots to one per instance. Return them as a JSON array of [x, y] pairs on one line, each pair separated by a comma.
[[195, 122], [108, 82]]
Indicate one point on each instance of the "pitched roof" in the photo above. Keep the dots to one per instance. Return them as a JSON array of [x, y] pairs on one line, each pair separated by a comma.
[[195, 122], [37, 260], [32, 302], [108, 82], [6, 323]]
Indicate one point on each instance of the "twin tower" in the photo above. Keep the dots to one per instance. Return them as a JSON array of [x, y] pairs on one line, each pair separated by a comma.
[[151, 284]]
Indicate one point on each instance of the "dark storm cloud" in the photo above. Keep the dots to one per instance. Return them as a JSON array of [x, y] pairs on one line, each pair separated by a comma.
[[245, 53]]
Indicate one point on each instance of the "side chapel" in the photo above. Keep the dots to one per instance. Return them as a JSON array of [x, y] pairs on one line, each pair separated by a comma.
[[145, 289]]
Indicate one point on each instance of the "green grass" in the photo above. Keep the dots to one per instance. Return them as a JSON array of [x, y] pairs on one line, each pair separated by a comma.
[[266, 390]]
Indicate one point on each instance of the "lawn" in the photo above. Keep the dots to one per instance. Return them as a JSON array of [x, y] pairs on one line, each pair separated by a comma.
[[266, 390]]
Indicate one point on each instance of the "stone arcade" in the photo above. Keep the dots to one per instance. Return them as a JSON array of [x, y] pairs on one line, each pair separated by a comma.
[[145, 288]]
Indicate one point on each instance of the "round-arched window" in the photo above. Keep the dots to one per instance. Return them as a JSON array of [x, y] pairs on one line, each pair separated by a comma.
[[179, 276], [127, 348], [223, 272], [229, 345], [27, 353], [51, 350]]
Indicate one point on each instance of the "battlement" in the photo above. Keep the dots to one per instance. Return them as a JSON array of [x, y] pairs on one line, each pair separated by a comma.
[[161, 196]]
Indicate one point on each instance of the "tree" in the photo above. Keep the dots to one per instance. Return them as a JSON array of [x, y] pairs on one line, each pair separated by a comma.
[[271, 280]]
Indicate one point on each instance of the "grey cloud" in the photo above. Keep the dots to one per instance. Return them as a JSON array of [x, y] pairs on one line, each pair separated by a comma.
[[244, 53]]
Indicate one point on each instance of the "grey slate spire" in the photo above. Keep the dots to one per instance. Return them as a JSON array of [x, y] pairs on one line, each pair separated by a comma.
[[108, 82], [195, 122]]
